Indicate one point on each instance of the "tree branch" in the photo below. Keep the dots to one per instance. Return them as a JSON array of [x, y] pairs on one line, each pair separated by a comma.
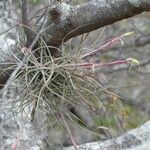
[[70, 21], [130, 139], [29, 34]]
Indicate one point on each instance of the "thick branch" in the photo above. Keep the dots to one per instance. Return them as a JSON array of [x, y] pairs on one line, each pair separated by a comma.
[[28, 32], [70, 21], [130, 139], [8, 60]]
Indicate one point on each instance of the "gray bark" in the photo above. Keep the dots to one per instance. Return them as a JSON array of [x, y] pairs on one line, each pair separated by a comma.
[[70, 21], [134, 139]]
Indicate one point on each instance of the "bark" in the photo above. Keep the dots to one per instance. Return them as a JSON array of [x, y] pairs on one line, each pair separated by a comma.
[[8, 60], [70, 21], [131, 139]]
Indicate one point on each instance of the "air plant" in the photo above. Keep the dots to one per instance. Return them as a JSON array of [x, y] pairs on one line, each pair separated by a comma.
[[57, 85]]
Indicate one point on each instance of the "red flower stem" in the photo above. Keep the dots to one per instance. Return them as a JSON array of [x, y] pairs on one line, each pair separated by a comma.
[[71, 137], [102, 48], [118, 62], [90, 65]]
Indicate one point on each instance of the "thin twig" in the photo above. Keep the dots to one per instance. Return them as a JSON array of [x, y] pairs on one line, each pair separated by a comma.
[[106, 45], [71, 137], [25, 22]]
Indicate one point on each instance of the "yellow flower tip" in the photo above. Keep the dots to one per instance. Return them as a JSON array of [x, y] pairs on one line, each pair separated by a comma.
[[133, 61], [127, 34]]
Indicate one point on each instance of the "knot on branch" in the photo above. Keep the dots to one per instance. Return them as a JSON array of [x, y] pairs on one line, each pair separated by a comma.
[[55, 14], [60, 12]]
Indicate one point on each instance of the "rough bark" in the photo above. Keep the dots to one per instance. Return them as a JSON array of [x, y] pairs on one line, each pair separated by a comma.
[[7, 61], [131, 139], [70, 21]]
